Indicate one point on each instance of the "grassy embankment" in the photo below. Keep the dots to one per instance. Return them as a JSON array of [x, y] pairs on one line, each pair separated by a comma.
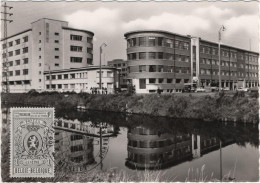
[[238, 107]]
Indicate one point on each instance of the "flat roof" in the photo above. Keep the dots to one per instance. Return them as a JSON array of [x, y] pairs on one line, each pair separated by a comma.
[[154, 31], [188, 36], [80, 69], [49, 19], [230, 46], [81, 30], [27, 30]]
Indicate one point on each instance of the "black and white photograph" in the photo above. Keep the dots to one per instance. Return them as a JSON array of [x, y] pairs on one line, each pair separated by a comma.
[[129, 91]]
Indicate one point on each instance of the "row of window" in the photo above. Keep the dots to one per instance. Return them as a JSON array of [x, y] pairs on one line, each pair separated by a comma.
[[17, 42], [17, 72], [157, 55], [26, 82], [227, 73], [224, 53], [68, 76], [16, 62], [79, 38], [158, 41], [17, 52], [160, 68], [142, 82]]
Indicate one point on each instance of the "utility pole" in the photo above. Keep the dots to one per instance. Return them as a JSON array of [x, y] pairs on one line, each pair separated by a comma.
[[222, 28], [5, 71]]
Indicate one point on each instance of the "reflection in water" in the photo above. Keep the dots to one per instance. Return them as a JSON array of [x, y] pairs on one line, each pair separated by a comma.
[[152, 142], [151, 148], [73, 151]]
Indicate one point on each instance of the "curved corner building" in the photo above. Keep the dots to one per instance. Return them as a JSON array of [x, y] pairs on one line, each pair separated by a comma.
[[162, 60]]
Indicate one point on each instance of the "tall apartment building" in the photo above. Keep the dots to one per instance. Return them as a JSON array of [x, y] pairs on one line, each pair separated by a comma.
[[121, 66], [165, 60], [48, 45]]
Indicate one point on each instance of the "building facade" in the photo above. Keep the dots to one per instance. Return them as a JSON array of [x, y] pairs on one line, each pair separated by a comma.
[[121, 65], [165, 60], [84, 79], [48, 45]]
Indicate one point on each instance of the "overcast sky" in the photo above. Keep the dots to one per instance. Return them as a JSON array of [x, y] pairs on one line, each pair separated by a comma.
[[110, 20]]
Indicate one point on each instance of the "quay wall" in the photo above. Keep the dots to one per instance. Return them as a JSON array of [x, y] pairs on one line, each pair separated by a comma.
[[232, 107]]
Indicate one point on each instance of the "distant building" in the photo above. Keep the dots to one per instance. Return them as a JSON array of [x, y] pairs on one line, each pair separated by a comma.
[[84, 79], [161, 59], [121, 65], [48, 45]]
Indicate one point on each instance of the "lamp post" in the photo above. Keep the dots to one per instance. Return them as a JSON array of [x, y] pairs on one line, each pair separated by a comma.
[[222, 28], [100, 74]]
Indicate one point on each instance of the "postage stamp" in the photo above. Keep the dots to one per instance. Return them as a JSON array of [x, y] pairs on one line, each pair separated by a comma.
[[32, 142]]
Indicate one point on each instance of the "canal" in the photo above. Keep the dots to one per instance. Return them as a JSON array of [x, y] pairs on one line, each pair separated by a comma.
[[180, 150]]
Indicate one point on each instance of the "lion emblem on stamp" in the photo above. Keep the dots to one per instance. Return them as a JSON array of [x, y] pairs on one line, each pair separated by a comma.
[[32, 142]]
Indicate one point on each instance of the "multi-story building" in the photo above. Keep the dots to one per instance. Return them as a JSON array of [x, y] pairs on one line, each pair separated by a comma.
[[48, 45], [121, 65], [84, 79], [162, 60]]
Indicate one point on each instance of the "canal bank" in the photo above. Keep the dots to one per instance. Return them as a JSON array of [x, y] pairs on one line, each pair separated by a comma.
[[234, 107]]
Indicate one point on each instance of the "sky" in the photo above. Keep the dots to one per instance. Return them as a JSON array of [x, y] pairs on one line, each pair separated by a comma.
[[111, 20]]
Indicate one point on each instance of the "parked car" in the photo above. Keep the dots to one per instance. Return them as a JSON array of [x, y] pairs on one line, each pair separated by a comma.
[[242, 89], [200, 90], [225, 89], [254, 89]]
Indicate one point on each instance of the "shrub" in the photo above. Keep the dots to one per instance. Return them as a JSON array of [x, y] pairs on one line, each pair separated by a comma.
[[239, 94]]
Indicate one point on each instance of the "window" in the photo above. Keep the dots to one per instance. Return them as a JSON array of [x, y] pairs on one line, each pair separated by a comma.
[[40, 49], [17, 62], [17, 41], [10, 73], [56, 65], [75, 37], [72, 76], [160, 80], [10, 53], [17, 52], [25, 61], [40, 72], [53, 77], [152, 68], [142, 41], [169, 80], [142, 55], [142, 83], [132, 42], [76, 148], [142, 68], [185, 46], [169, 43], [151, 55], [40, 41], [160, 41], [66, 76], [25, 50], [89, 61], [151, 41], [169, 56], [76, 48], [40, 57], [59, 76], [160, 68], [4, 46], [89, 50], [56, 41], [89, 40], [109, 74], [25, 71], [56, 34], [160, 55], [178, 80], [40, 33], [11, 63], [57, 57], [76, 59], [40, 64], [10, 44], [56, 49], [17, 72], [152, 80], [25, 39]]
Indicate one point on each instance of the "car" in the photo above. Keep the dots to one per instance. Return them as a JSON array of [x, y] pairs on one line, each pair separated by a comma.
[[242, 89], [225, 89], [200, 90]]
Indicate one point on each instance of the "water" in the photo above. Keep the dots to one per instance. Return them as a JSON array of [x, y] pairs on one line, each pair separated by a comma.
[[180, 149]]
